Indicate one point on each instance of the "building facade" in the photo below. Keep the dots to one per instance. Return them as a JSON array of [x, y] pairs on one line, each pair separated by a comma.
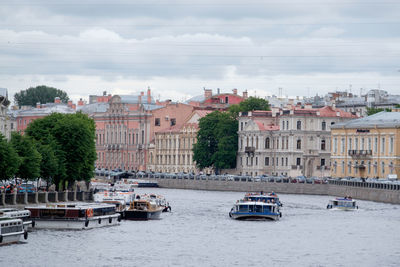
[[368, 147], [6, 125], [172, 148], [290, 142]]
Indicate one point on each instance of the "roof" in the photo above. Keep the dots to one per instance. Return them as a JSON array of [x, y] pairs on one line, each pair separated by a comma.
[[57, 108], [380, 120], [269, 127], [93, 108], [134, 99], [328, 111]]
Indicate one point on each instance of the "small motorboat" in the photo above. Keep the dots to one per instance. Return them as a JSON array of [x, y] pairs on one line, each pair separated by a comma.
[[346, 203], [255, 210]]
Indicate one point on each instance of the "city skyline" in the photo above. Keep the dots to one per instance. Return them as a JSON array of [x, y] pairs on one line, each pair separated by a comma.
[[177, 48]]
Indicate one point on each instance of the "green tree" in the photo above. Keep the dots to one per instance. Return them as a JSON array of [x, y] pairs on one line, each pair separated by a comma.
[[216, 141], [29, 168], [49, 162], [250, 104], [9, 159], [39, 94], [371, 111], [72, 138]]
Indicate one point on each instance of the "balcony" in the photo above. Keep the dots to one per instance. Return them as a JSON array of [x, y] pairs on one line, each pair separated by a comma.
[[360, 153], [250, 149], [297, 167]]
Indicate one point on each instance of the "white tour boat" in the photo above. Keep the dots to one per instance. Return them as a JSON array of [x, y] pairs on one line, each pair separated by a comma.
[[346, 203], [74, 215], [24, 215], [11, 230]]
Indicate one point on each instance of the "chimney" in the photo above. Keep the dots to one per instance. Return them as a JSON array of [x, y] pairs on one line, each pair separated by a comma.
[[38, 105], [81, 102], [148, 95], [57, 100], [218, 91], [234, 91], [207, 93], [245, 94]]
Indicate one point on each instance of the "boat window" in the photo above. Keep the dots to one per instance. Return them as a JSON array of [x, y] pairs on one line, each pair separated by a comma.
[[251, 208], [259, 208], [267, 208], [243, 208]]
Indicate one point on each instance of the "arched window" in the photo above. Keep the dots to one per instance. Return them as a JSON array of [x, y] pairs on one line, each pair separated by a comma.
[[267, 143], [298, 125], [323, 144], [323, 126], [298, 146]]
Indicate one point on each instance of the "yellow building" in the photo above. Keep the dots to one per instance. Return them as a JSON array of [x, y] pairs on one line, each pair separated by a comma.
[[367, 148]]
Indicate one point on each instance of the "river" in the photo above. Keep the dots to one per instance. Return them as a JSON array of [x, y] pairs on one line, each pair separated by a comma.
[[199, 232]]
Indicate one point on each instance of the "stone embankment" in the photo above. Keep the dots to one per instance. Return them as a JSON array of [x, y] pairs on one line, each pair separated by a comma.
[[43, 197], [365, 191]]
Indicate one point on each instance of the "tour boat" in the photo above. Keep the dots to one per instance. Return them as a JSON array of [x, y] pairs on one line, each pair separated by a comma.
[[263, 197], [143, 209], [160, 201], [346, 203], [255, 210], [74, 215], [11, 230], [14, 213]]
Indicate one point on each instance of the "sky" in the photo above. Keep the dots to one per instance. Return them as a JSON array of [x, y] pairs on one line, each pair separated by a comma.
[[177, 47]]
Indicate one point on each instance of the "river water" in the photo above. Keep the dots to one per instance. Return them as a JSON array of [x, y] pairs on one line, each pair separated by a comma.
[[199, 232]]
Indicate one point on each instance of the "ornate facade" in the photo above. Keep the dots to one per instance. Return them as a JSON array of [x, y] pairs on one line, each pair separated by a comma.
[[290, 142]]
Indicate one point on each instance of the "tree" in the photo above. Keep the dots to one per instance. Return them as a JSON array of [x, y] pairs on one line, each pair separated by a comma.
[[49, 162], [371, 111], [72, 138], [29, 168], [9, 160], [250, 104], [39, 94], [216, 141]]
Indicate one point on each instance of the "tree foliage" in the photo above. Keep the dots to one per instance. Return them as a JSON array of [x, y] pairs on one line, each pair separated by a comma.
[[216, 141], [39, 94], [71, 137], [250, 104], [371, 111], [9, 160], [30, 158]]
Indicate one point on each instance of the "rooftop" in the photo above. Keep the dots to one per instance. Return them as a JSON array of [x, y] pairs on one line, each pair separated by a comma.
[[380, 120]]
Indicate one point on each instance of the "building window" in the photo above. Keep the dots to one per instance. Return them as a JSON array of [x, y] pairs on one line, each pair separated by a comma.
[[298, 144], [383, 145], [349, 167], [266, 161], [342, 167], [369, 167], [376, 168], [362, 144], [334, 145], [323, 144], [298, 125], [342, 145], [283, 125], [282, 162], [298, 161], [267, 141], [383, 167], [157, 122], [350, 143], [287, 125], [226, 99], [356, 143], [391, 145], [241, 126], [173, 121], [322, 162], [376, 145], [323, 126], [369, 144], [256, 161]]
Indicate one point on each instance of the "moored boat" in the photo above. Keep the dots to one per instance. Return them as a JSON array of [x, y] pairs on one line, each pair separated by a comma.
[[74, 215], [264, 197], [160, 201], [345, 203], [14, 213], [143, 209], [11, 230]]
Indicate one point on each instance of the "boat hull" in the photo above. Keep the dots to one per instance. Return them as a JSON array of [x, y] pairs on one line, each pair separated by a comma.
[[79, 223], [252, 216], [11, 238], [142, 215]]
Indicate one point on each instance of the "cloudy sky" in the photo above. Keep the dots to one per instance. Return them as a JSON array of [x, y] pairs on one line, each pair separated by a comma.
[[178, 47]]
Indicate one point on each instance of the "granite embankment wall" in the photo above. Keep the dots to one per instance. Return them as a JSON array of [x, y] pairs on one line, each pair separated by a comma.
[[356, 191], [43, 197]]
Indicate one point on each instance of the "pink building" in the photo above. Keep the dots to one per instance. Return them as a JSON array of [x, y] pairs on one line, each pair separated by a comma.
[[217, 101]]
